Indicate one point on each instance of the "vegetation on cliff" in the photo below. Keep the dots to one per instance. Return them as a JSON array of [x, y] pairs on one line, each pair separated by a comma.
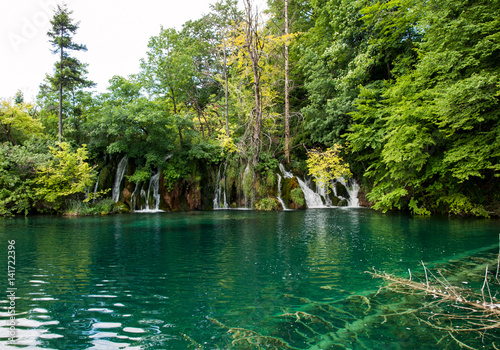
[[409, 88]]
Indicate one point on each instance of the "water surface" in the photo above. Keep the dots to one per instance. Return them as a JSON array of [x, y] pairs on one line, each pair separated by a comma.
[[158, 281]]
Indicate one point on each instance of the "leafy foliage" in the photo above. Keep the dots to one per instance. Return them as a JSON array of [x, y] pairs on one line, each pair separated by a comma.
[[17, 123], [432, 133], [18, 169], [297, 196], [328, 165], [66, 175], [267, 204], [411, 88]]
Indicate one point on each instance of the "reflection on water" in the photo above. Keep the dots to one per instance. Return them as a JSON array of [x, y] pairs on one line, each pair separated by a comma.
[[155, 280]]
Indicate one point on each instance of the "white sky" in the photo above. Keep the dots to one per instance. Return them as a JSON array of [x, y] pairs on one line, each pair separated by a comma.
[[116, 33]]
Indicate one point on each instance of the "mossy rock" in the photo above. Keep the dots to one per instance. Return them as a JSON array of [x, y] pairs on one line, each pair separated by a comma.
[[268, 204], [291, 193], [297, 197], [341, 190], [120, 207], [105, 179]]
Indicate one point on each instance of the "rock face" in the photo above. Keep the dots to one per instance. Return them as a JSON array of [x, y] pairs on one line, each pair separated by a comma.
[[292, 194], [363, 201], [216, 186], [185, 195]]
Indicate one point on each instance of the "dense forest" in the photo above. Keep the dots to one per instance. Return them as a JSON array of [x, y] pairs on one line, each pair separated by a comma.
[[401, 95]]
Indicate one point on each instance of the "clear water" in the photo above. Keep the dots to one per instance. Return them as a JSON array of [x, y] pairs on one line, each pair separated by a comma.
[[154, 281]]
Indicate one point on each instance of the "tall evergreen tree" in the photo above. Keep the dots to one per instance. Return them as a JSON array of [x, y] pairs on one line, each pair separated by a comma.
[[69, 72]]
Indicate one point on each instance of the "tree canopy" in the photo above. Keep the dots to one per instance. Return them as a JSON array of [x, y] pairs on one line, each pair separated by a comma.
[[406, 91]]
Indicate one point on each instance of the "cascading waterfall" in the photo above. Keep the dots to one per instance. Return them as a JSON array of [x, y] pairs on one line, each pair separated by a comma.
[[279, 193], [149, 202], [286, 174], [154, 184], [245, 180], [220, 191], [96, 186], [142, 198], [352, 191], [320, 198], [133, 199], [313, 199], [323, 189], [120, 173]]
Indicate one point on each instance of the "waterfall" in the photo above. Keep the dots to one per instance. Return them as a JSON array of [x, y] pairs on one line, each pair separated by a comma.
[[286, 174], [279, 193], [142, 194], [247, 169], [220, 193], [133, 199], [352, 191], [322, 189], [320, 198], [120, 172], [96, 186], [313, 199], [149, 202], [151, 198], [154, 184]]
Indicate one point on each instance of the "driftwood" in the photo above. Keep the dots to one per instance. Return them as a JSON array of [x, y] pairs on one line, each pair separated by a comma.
[[474, 313]]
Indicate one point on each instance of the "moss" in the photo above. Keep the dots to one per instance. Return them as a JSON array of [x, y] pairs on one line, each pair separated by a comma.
[[105, 178], [292, 201], [341, 190], [297, 196], [101, 207], [120, 207], [248, 182], [267, 204]]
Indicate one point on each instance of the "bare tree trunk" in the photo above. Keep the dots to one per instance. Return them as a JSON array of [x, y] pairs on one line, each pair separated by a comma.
[[60, 96], [60, 114], [254, 47], [226, 92], [287, 91], [175, 112]]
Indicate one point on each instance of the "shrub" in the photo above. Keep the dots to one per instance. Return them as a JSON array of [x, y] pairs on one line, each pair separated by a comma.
[[297, 196], [267, 204]]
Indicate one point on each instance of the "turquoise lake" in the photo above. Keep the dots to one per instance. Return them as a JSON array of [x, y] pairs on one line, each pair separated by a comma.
[[182, 280]]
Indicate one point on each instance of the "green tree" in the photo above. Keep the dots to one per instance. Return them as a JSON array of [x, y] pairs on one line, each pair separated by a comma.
[[124, 121], [430, 136], [18, 168], [17, 123], [67, 174], [328, 165], [69, 71], [225, 15], [168, 73]]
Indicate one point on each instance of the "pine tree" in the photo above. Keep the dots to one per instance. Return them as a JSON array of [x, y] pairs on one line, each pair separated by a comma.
[[69, 72]]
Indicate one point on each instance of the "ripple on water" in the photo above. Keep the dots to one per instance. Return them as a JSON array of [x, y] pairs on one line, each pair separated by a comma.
[[101, 310], [100, 344], [106, 325], [29, 332], [133, 330], [39, 310]]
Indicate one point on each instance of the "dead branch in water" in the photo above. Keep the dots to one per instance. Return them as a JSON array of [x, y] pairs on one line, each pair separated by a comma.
[[474, 314]]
